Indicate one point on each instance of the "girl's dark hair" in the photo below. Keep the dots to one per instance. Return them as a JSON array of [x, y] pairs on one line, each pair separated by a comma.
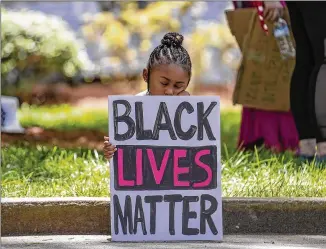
[[170, 52]]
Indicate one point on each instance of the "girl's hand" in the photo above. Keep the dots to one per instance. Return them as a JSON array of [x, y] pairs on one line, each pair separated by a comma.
[[184, 93], [108, 148], [273, 10]]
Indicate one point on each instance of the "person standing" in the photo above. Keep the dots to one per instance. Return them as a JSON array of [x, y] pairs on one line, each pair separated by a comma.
[[275, 130], [308, 84]]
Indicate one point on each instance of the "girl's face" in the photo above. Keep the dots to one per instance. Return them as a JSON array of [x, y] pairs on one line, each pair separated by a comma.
[[168, 79]]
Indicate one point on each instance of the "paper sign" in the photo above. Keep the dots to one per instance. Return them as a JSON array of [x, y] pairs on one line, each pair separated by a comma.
[[263, 79], [166, 172]]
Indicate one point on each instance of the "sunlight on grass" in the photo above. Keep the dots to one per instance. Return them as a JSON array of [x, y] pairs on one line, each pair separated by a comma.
[[63, 117], [46, 172], [50, 171]]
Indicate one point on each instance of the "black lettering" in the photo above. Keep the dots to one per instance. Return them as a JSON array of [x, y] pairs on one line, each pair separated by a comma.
[[139, 211], [158, 126], [141, 134], [251, 95], [172, 199], [205, 214], [123, 118], [203, 122], [177, 122], [187, 214], [127, 216], [152, 201]]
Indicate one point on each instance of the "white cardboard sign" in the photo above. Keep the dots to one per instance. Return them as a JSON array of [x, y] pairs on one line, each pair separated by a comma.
[[166, 172]]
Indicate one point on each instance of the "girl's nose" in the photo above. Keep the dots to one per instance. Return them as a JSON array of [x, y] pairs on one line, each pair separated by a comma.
[[168, 91]]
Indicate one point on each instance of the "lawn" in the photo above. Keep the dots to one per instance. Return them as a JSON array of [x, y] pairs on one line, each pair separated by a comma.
[[63, 117], [43, 171]]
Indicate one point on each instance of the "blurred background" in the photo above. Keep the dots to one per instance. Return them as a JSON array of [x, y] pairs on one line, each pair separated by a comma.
[[60, 52], [62, 60]]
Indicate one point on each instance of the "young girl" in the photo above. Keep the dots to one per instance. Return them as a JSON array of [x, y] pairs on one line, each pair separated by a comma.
[[168, 72]]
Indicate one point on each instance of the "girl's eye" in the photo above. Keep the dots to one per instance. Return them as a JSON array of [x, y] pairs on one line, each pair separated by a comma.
[[178, 87], [164, 84]]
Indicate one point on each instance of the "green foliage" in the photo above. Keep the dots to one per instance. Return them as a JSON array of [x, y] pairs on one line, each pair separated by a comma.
[[117, 30], [146, 24], [63, 117], [44, 172], [264, 174], [47, 172], [41, 43]]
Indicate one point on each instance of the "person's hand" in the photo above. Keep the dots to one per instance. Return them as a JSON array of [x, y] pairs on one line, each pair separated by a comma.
[[184, 93], [273, 10], [108, 148]]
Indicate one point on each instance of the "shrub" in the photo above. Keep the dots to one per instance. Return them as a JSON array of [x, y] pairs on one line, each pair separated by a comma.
[[40, 44]]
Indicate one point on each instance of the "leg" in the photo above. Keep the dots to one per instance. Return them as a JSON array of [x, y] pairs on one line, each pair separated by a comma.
[[320, 107], [299, 91], [315, 22]]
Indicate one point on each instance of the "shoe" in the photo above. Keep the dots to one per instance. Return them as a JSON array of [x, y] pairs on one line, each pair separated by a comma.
[[321, 161], [304, 158]]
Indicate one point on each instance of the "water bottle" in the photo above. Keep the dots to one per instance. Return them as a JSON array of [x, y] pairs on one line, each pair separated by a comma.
[[283, 39]]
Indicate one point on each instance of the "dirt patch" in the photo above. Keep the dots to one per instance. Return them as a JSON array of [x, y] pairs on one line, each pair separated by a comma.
[[59, 93], [93, 95], [65, 139], [224, 91]]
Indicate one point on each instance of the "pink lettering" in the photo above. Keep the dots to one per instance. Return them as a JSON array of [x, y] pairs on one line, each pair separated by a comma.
[[177, 170], [158, 173], [205, 167], [121, 180], [139, 167]]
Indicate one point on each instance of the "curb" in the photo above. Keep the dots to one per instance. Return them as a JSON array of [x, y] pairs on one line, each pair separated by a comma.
[[90, 216]]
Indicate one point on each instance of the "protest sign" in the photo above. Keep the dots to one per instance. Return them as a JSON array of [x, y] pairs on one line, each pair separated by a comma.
[[166, 172], [263, 79]]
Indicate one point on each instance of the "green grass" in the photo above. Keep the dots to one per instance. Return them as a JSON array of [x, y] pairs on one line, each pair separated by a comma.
[[63, 117], [67, 118], [47, 172]]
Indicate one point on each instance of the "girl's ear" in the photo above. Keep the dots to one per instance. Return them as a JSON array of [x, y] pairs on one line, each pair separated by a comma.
[[145, 75]]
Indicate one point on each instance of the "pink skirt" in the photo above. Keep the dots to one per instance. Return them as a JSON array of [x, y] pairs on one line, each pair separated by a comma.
[[272, 129]]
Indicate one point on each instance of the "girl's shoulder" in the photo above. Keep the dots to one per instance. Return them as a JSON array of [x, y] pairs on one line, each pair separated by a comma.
[[144, 93]]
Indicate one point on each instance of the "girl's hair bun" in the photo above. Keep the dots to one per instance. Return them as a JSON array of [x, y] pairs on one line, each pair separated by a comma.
[[172, 39]]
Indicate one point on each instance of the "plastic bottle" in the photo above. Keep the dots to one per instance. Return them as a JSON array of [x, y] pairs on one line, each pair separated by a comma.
[[283, 39]]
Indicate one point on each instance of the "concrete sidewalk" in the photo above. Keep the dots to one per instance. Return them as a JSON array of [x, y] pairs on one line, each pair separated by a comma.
[[91, 216], [229, 242]]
